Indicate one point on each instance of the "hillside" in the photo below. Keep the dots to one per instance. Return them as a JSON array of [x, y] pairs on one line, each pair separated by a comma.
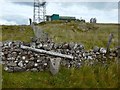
[[23, 33], [89, 35]]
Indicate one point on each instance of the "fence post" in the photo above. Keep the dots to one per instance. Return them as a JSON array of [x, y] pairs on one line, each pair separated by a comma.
[[108, 44]]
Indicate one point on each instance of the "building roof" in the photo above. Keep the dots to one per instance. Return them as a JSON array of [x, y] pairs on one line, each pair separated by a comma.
[[67, 17]]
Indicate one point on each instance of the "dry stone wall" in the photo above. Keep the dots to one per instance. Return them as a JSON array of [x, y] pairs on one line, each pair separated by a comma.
[[16, 59]]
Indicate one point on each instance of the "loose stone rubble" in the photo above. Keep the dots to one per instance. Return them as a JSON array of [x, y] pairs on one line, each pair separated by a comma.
[[16, 59]]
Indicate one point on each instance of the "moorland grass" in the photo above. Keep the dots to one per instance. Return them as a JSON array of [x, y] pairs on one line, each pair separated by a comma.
[[84, 77], [98, 76], [23, 33], [98, 37], [0, 76]]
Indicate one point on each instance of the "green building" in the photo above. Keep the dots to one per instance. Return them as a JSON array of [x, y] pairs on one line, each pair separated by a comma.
[[57, 17]]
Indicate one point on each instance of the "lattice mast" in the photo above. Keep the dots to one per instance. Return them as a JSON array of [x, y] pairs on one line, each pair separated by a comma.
[[39, 11]]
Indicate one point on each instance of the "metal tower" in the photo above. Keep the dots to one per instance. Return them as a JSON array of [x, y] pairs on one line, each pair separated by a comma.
[[39, 11]]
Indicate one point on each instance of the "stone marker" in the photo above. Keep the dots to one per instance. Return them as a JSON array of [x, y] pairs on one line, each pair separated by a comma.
[[108, 44], [54, 65]]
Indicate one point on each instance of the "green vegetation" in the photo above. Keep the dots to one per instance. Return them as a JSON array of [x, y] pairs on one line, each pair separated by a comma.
[[70, 32], [98, 76], [0, 76], [85, 77], [22, 33]]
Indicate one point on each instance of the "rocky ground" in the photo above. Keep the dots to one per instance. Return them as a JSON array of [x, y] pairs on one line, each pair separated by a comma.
[[16, 59]]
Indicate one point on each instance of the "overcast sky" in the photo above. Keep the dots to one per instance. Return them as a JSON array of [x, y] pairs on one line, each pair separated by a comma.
[[19, 12]]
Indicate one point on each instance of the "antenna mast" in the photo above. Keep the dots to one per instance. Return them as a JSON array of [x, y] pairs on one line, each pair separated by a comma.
[[39, 11]]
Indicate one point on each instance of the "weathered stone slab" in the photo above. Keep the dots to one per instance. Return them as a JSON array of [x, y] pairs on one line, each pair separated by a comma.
[[54, 65]]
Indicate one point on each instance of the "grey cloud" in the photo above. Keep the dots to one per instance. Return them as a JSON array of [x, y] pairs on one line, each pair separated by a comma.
[[90, 5], [102, 5], [16, 18], [93, 5], [24, 3]]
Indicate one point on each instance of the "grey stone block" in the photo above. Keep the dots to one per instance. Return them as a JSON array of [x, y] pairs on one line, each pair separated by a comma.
[[54, 65]]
